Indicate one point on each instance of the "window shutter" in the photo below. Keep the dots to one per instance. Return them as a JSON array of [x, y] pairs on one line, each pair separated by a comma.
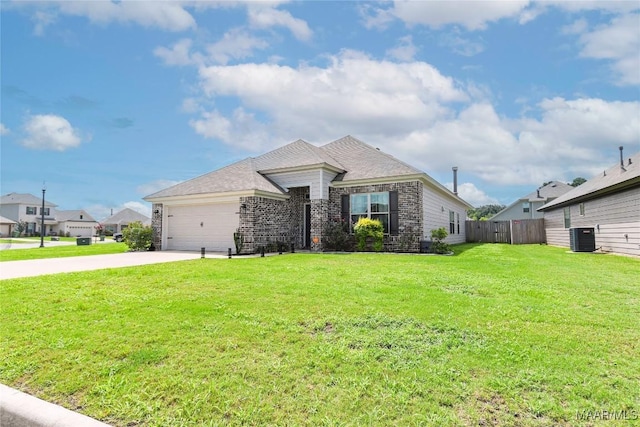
[[393, 213], [345, 210]]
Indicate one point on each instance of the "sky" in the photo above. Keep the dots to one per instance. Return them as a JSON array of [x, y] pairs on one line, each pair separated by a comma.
[[107, 102]]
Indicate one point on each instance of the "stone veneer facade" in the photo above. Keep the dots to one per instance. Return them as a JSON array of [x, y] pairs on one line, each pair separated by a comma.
[[410, 212], [264, 220], [156, 225]]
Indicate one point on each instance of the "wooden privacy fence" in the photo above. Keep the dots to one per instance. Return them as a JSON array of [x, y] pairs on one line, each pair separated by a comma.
[[515, 232]]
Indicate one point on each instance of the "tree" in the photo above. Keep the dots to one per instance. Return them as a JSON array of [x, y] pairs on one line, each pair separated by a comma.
[[21, 227], [138, 236], [577, 181], [484, 212]]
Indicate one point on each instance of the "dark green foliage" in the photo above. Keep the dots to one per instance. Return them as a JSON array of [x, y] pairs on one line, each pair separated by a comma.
[[439, 246], [138, 237], [484, 212], [337, 236]]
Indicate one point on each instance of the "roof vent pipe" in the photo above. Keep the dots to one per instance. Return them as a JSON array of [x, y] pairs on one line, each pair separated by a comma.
[[538, 191], [621, 158], [455, 180]]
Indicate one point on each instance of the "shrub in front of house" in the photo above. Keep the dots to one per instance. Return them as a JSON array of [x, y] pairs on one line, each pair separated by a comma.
[[337, 236], [138, 237], [439, 246], [369, 230]]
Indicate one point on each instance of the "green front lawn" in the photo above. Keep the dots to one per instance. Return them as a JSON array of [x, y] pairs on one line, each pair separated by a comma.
[[496, 335], [62, 251]]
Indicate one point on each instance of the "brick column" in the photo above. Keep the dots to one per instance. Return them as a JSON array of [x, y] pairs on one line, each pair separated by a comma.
[[156, 225], [319, 218]]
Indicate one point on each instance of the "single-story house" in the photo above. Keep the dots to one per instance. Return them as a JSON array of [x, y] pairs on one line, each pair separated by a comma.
[[77, 223], [609, 203], [6, 226], [526, 207], [121, 220], [291, 194]]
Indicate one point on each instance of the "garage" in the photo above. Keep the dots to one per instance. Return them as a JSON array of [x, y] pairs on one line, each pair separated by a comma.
[[210, 226]]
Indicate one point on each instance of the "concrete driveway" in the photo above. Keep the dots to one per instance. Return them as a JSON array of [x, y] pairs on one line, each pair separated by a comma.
[[39, 267]]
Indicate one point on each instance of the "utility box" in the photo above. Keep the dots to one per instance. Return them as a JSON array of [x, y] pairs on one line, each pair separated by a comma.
[[582, 239], [83, 241]]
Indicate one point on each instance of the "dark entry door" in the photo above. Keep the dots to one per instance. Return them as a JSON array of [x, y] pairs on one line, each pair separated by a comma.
[[307, 226]]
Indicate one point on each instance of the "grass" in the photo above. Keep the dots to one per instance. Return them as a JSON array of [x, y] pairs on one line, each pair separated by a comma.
[[62, 251], [496, 335]]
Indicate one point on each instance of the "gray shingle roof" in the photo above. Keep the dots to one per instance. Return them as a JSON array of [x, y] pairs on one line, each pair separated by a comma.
[[355, 160], [550, 191], [362, 161], [4, 220], [613, 178], [24, 199], [73, 215], [239, 176], [127, 216], [297, 154]]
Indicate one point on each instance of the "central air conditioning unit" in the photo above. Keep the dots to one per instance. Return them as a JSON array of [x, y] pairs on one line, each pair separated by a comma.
[[582, 239]]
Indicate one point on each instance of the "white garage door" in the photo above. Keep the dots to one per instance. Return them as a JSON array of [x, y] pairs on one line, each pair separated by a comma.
[[190, 228]]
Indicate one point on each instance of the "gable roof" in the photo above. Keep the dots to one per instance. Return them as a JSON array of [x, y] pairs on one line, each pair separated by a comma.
[[362, 161], [614, 179], [294, 156], [4, 220], [358, 161], [239, 176], [550, 191], [74, 215], [24, 199], [126, 216]]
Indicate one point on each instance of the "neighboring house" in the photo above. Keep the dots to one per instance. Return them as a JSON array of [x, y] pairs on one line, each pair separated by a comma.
[[76, 223], [6, 226], [121, 220], [291, 194], [609, 202], [527, 207], [28, 208]]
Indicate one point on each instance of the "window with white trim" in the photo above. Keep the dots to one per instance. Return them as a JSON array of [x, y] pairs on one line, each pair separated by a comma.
[[370, 205], [452, 222], [526, 207], [32, 210], [581, 209], [46, 211]]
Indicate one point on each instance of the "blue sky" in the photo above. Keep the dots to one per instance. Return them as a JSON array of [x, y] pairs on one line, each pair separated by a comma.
[[111, 101]]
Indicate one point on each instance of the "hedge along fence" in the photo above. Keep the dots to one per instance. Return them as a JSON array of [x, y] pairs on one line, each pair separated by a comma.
[[368, 231]]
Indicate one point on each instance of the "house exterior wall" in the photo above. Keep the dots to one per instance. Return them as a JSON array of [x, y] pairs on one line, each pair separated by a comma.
[[77, 228], [516, 211], [11, 212], [264, 221], [436, 209], [410, 200], [615, 219]]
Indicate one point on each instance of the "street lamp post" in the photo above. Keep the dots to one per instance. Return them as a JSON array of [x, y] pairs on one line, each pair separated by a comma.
[[42, 215]]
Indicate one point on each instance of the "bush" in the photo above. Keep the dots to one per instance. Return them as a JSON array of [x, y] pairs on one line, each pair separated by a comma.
[[238, 239], [369, 228], [138, 236], [337, 236], [439, 246]]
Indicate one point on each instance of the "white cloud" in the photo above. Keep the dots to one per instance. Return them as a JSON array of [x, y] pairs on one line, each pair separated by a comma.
[[178, 54], [460, 45], [235, 44], [353, 92], [240, 130], [473, 15], [171, 16], [155, 186], [404, 51], [3, 129], [473, 195], [619, 42], [263, 15], [50, 132]]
